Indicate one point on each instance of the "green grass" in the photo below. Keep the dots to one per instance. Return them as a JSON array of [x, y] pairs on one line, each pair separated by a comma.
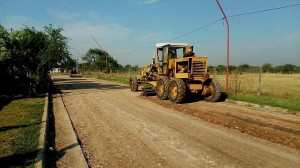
[[114, 78], [20, 123], [121, 77], [290, 104]]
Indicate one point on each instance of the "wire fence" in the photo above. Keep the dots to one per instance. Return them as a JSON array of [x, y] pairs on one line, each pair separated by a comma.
[[270, 84]]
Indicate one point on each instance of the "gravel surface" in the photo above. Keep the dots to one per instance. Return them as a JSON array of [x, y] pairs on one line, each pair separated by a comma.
[[119, 128]]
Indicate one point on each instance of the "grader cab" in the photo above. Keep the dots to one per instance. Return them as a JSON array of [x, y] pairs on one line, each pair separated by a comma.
[[177, 73]]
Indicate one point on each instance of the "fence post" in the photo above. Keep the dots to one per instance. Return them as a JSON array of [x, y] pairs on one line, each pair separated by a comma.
[[259, 81]]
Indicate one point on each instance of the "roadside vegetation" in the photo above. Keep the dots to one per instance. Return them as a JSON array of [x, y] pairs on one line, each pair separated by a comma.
[[26, 58], [27, 55], [279, 90], [20, 123]]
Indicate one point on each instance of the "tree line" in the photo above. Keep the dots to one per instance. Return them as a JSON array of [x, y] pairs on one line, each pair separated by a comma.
[[27, 56], [266, 68], [99, 60]]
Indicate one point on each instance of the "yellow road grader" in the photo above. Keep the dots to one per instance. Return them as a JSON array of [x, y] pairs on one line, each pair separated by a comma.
[[176, 72]]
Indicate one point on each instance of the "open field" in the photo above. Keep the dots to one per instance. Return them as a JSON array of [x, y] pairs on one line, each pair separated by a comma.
[[276, 85], [20, 122], [279, 90]]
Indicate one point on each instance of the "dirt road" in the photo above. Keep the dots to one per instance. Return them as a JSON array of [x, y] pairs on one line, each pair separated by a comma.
[[118, 128]]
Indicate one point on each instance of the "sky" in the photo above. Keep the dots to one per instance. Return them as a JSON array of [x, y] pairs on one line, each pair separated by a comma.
[[129, 29]]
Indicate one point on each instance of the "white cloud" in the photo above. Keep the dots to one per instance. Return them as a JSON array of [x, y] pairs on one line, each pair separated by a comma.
[[148, 1], [152, 37], [108, 32], [109, 36], [62, 15], [15, 21], [291, 36]]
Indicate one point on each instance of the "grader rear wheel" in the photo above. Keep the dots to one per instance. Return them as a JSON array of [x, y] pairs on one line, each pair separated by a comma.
[[214, 90], [133, 84], [177, 90], [162, 88]]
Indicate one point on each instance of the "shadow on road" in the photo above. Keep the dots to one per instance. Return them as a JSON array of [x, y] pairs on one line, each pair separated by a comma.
[[79, 83], [198, 97], [53, 155], [192, 98]]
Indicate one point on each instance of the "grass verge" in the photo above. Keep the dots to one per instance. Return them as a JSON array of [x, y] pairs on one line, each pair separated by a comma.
[[20, 122], [290, 104], [115, 79], [109, 77]]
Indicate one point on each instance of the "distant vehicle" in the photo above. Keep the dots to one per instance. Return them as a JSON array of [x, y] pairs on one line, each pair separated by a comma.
[[75, 73]]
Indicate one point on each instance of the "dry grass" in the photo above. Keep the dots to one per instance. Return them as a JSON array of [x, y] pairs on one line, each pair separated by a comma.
[[276, 85]]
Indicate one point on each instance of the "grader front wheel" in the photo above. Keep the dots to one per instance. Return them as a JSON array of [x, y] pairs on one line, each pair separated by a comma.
[[162, 88], [213, 89], [133, 84], [177, 90]]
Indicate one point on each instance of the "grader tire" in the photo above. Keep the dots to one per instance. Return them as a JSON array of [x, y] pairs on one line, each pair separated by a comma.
[[177, 91], [162, 88], [216, 90], [133, 84]]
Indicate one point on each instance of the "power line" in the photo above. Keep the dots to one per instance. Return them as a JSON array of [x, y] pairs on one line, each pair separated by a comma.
[[196, 30], [96, 42], [199, 28], [130, 52], [209, 24], [265, 10]]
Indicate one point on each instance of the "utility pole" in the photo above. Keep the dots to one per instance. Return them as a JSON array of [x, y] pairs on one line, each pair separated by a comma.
[[102, 50], [76, 57], [227, 52]]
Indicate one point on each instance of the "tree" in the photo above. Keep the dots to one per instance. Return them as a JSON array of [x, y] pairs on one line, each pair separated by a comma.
[[244, 67], [96, 59], [297, 70], [67, 64], [278, 69], [288, 68], [4, 40], [131, 68], [26, 46], [113, 64], [232, 68], [267, 67], [30, 54], [220, 68], [53, 55]]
